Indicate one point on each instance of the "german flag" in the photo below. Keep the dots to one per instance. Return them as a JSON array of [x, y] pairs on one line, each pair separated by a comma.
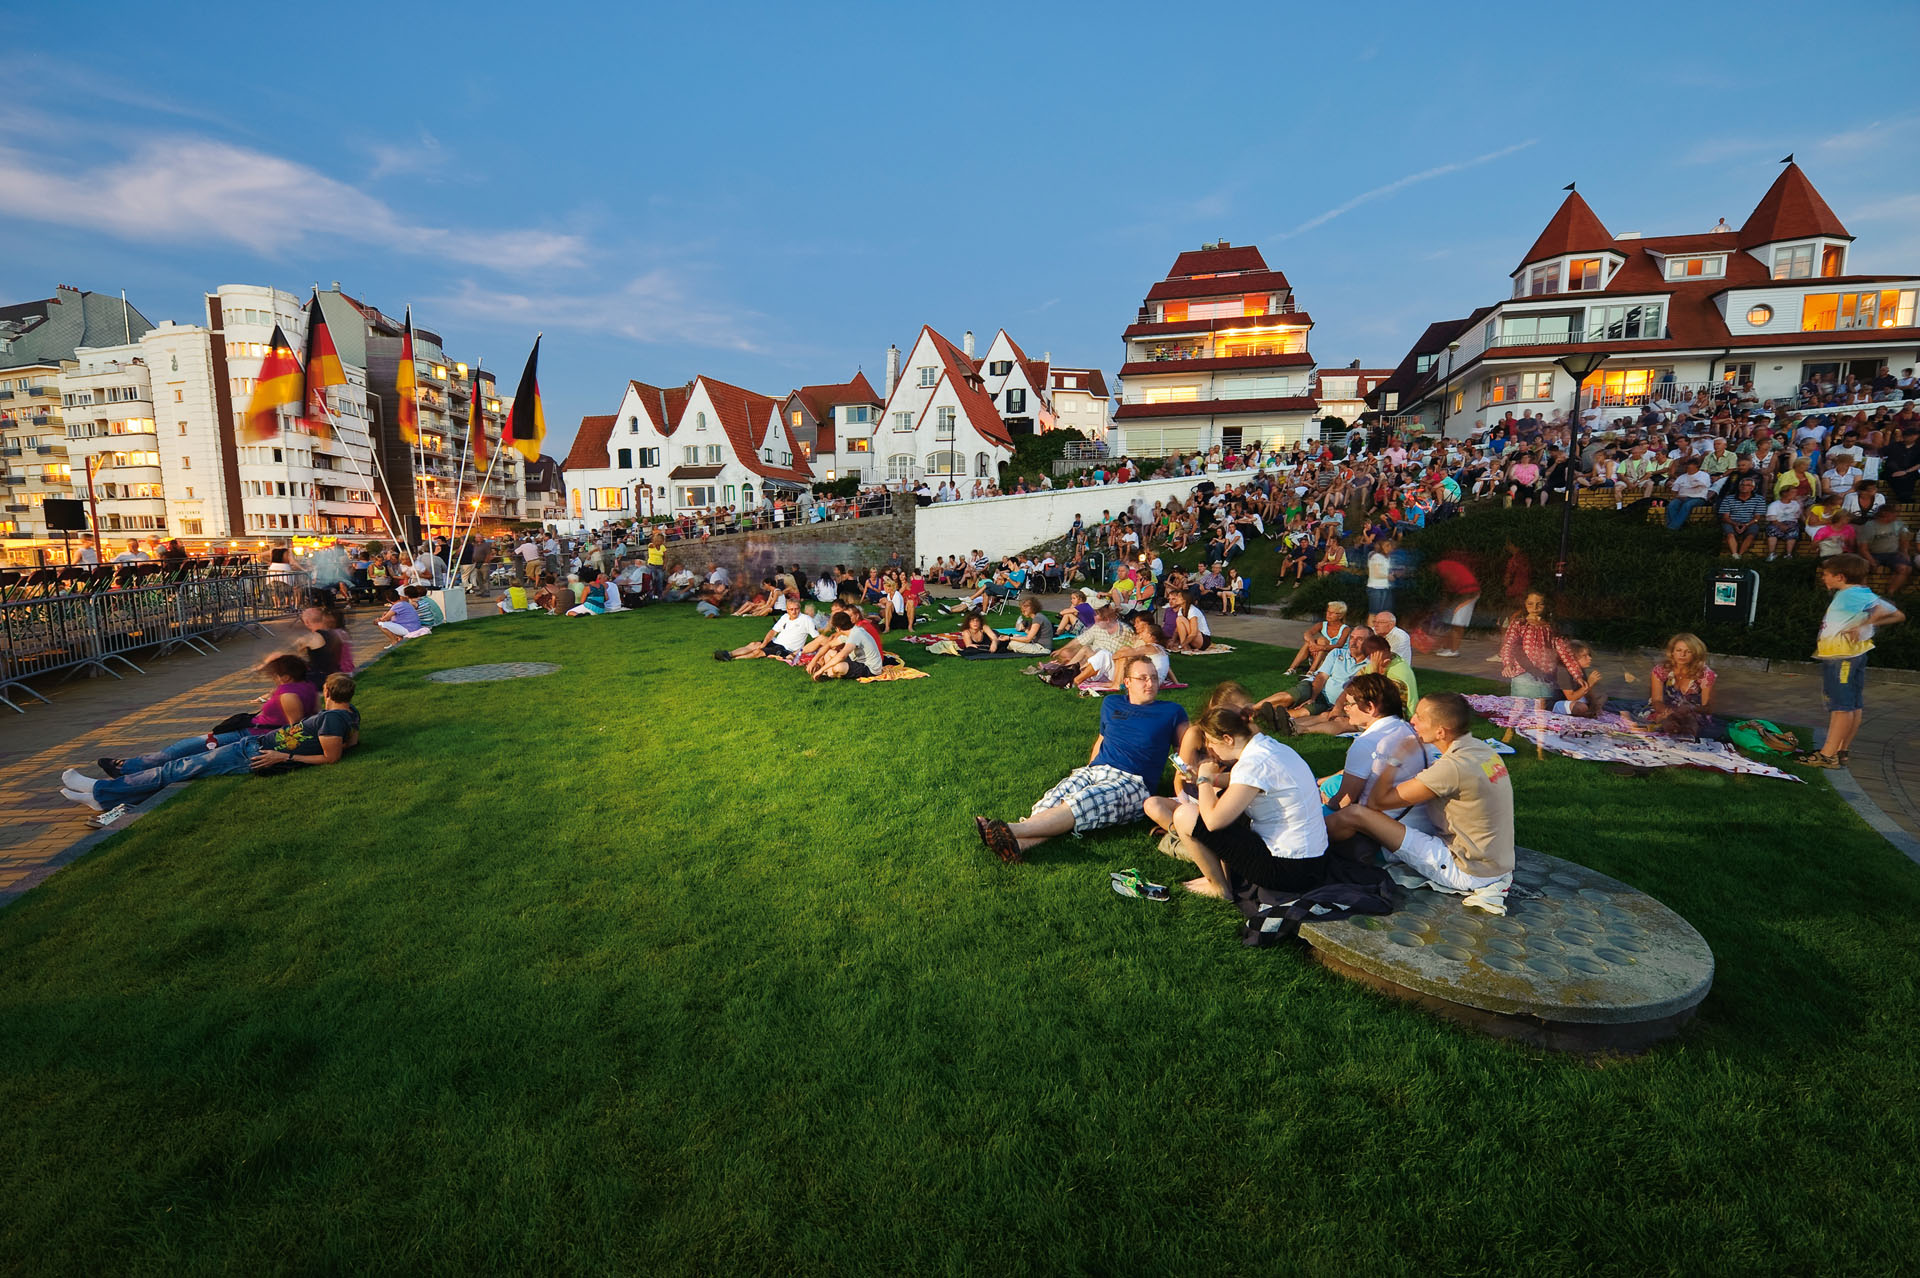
[[278, 386], [323, 370], [477, 421], [406, 412], [526, 427]]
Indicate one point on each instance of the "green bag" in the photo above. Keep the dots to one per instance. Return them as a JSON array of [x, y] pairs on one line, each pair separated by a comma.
[[1762, 736]]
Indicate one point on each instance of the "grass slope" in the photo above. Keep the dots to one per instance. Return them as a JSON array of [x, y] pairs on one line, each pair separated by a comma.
[[655, 965]]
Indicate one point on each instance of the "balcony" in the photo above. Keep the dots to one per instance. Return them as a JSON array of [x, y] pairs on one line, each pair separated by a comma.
[[1288, 307], [43, 392], [1569, 339], [12, 450], [6, 394]]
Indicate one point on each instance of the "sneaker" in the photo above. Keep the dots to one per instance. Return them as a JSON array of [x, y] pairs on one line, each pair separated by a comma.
[[1771, 558], [1131, 883], [75, 779], [721, 654], [109, 766], [82, 796], [1446, 652]]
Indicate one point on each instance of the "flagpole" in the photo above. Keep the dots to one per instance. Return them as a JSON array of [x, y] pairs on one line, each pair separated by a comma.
[[492, 461], [460, 472], [366, 479]]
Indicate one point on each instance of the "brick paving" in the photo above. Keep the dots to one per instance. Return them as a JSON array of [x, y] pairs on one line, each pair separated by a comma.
[[180, 695]]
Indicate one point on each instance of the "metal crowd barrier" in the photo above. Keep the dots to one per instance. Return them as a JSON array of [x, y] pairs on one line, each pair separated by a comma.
[[91, 617]]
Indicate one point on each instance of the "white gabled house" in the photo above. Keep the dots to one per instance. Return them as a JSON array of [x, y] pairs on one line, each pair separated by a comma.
[[1020, 388], [732, 447], [939, 421], [619, 463]]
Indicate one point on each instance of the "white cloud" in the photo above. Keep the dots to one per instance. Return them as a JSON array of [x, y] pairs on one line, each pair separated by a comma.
[[417, 159], [195, 188], [1401, 184], [653, 307]]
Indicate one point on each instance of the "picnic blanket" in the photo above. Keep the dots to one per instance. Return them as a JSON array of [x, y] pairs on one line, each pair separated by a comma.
[[893, 674], [1614, 738], [1210, 650]]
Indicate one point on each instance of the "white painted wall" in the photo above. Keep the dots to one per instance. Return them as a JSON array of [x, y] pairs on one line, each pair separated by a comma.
[[1003, 525]]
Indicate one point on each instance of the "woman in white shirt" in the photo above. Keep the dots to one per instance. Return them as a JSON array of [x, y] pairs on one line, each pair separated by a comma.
[[1386, 752], [1263, 826], [1191, 632]]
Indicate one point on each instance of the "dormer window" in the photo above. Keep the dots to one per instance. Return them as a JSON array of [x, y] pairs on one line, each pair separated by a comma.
[[1832, 258], [1584, 273], [1542, 279], [1793, 262], [1689, 268]]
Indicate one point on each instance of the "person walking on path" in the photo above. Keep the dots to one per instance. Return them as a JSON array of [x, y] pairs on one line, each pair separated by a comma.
[[1846, 637]]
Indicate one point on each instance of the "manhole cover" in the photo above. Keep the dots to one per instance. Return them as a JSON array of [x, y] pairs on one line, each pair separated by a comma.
[[486, 674]]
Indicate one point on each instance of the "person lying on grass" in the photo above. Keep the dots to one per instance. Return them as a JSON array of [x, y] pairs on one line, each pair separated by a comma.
[[972, 636], [1137, 732], [320, 738], [853, 652], [1257, 816], [1469, 803], [790, 633]]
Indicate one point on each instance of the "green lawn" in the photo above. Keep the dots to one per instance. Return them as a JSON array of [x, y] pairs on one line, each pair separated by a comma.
[[661, 966]]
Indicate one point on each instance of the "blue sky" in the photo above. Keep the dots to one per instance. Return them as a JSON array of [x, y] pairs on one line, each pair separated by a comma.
[[772, 194]]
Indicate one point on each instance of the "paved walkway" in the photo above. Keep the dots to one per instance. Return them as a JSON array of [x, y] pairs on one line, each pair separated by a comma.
[[183, 694], [180, 695]]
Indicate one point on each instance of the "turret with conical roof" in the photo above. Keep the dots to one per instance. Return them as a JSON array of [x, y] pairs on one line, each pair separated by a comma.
[[1790, 210], [1574, 229]]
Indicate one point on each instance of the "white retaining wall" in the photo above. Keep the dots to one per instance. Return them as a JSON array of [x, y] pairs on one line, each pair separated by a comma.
[[1003, 525]]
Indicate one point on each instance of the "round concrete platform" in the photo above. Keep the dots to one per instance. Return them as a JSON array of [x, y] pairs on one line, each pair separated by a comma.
[[1579, 961], [499, 670]]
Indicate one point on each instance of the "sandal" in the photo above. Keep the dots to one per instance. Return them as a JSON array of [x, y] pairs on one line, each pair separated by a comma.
[[1840, 757], [1000, 838], [1815, 759]]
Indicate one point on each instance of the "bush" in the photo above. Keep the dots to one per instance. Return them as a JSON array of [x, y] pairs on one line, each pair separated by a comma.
[[846, 486], [1034, 455], [1630, 583]]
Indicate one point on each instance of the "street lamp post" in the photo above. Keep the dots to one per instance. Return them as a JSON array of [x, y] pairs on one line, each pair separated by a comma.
[[1579, 365], [1446, 390]]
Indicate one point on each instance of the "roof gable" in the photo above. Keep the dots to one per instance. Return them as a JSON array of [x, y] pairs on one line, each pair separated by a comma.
[[1790, 210], [1573, 229], [589, 451], [738, 410]]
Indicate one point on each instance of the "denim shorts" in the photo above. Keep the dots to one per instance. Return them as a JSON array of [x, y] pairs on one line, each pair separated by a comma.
[[1843, 680]]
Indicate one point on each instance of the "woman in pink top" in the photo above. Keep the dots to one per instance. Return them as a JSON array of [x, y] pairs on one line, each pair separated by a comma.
[[1523, 481], [292, 698]]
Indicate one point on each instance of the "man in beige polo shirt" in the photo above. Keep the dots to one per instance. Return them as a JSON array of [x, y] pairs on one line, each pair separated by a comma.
[[1468, 796]]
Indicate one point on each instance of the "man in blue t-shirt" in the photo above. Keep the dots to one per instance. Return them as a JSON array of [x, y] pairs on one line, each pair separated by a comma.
[[1137, 733]]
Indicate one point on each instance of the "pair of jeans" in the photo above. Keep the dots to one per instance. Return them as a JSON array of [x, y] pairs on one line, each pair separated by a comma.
[[187, 760], [1678, 508]]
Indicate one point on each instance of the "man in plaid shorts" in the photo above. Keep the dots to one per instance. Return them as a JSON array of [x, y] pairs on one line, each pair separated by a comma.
[[1137, 733]]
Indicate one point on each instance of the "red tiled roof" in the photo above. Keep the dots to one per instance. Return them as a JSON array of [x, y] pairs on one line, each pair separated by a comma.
[[745, 415], [1213, 261], [1216, 407], [1790, 210], [651, 397], [823, 439], [1092, 380], [1221, 324], [694, 472], [1574, 229], [820, 401], [966, 384], [1148, 368], [1225, 286], [589, 451]]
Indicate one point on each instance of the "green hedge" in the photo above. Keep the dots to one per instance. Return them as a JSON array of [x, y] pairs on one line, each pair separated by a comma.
[[1630, 583]]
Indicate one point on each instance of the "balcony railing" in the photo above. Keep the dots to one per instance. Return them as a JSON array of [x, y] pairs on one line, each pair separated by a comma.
[[1568, 339], [1288, 307], [1671, 392], [44, 392], [1260, 392]]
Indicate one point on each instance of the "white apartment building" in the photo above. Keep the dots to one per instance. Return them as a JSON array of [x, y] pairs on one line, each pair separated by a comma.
[[1217, 355], [38, 344], [833, 426], [1341, 393], [1771, 304]]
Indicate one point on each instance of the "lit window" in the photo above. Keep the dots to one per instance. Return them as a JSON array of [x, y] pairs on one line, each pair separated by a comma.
[[859, 445], [1583, 273], [1169, 394], [1682, 268], [1831, 259], [1760, 316], [1173, 312]]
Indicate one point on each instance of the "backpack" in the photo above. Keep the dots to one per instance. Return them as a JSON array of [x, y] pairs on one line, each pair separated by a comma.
[[1273, 917]]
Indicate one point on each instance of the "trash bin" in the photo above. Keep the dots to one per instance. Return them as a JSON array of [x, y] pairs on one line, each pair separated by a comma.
[[1733, 595]]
